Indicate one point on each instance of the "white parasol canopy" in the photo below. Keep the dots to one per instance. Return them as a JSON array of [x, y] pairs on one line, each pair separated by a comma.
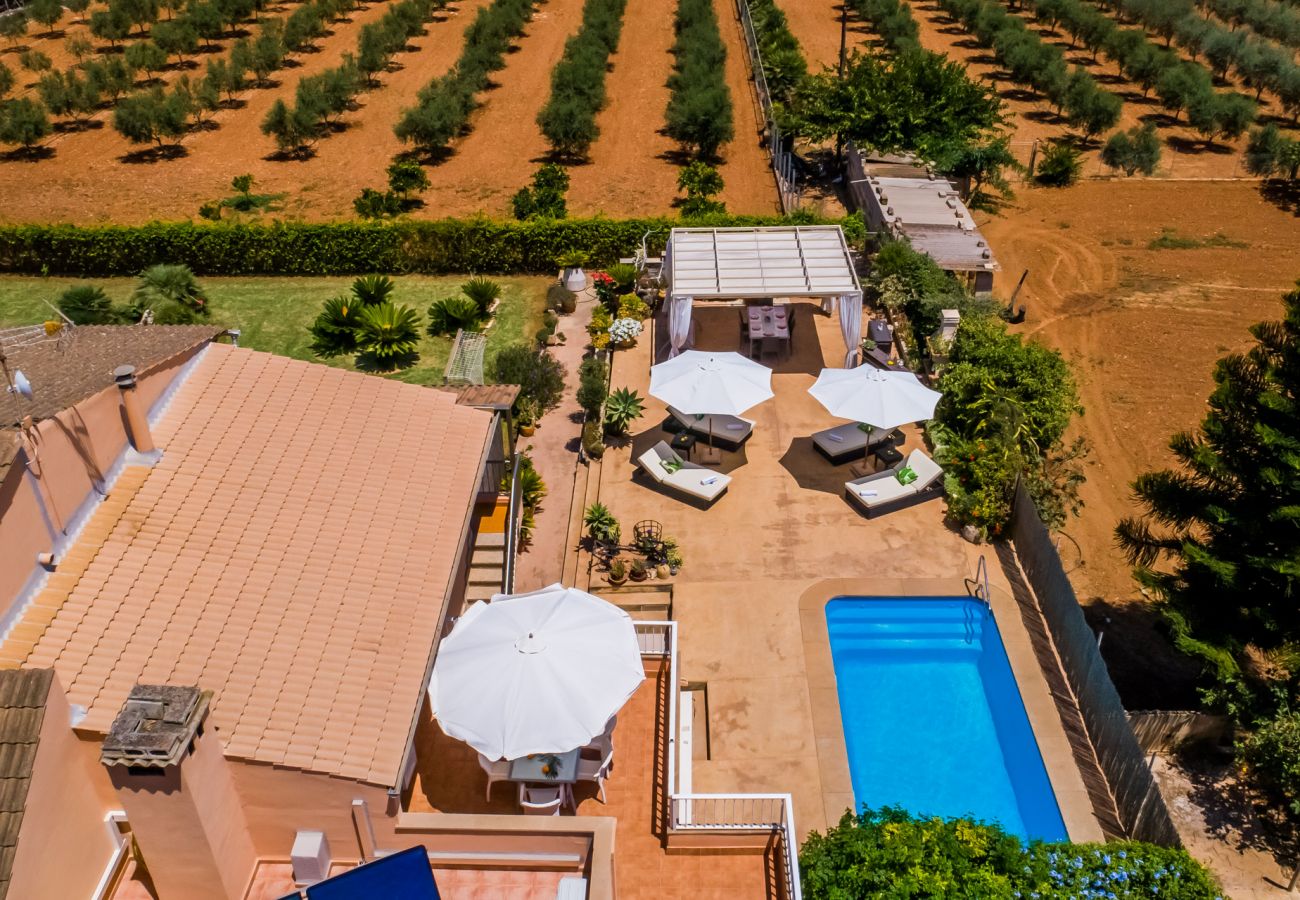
[[875, 396], [541, 672], [701, 383]]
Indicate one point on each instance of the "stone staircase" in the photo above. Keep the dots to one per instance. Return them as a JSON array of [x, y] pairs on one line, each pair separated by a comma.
[[486, 566]]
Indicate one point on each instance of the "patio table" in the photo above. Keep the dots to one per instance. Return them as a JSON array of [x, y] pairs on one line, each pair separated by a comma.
[[768, 322], [529, 768]]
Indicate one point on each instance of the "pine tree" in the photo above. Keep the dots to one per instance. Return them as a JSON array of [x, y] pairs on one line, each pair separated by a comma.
[[1225, 525]]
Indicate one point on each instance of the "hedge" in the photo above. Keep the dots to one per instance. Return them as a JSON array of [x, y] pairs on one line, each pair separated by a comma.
[[445, 246]]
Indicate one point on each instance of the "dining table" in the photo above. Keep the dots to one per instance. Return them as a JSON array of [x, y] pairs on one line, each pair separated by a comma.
[[768, 324], [563, 768]]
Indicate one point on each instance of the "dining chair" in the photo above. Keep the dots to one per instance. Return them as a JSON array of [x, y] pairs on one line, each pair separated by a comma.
[[495, 771], [542, 801], [596, 770], [744, 323]]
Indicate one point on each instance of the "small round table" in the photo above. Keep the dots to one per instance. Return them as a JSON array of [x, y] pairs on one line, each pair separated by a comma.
[[683, 443], [888, 456]]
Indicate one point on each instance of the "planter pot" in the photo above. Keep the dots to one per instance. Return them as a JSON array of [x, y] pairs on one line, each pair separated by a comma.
[[673, 570], [662, 572], [575, 279], [643, 577], [527, 430], [615, 582]]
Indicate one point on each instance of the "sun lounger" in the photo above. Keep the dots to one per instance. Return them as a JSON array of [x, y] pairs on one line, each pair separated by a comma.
[[725, 431], [845, 442], [883, 493], [697, 481]]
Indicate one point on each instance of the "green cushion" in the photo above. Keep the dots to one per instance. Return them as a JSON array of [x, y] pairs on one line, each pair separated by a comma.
[[864, 428], [673, 465], [905, 475]]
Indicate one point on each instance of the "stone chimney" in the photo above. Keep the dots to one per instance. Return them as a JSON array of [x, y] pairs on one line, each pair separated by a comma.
[[178, 793], [137, 423]]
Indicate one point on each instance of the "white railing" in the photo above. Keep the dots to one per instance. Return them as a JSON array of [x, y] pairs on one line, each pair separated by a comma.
[[689, 811]]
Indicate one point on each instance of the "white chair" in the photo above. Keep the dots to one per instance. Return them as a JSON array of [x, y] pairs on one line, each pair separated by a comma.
[[495, 771], [542, 801], [596, 770]]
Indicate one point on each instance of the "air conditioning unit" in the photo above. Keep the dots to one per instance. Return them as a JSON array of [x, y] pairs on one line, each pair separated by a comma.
[[311, 858]]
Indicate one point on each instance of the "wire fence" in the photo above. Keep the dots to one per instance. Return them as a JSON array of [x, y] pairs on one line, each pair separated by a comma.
[[1141, 809], [782, 157]]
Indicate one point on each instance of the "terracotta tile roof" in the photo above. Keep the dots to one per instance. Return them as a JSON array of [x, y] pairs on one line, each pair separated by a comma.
[[290, 553], [22, 711]]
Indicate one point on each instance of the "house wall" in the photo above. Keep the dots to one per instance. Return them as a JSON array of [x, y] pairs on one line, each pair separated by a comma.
[[75, 450], [64, 845]]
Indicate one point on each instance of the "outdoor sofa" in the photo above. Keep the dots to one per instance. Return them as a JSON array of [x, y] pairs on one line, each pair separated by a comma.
[[882, 492], [845, 442], [668, 469], [719, 430]]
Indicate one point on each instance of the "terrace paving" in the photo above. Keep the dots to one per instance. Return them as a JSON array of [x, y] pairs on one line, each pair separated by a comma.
[[759, 565]]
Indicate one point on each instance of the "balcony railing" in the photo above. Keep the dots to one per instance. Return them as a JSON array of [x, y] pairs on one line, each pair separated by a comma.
[[688, 811]]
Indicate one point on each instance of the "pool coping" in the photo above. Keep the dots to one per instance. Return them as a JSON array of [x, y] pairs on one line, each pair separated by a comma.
[[828, 729]]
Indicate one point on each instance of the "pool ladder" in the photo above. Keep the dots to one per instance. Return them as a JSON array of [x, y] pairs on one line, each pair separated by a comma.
[[979, 586]]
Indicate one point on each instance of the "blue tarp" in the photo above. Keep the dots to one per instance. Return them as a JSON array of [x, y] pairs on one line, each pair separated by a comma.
[[402, 876]]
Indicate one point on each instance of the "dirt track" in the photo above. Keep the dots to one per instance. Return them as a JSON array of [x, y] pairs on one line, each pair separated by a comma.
[[1143, 329]]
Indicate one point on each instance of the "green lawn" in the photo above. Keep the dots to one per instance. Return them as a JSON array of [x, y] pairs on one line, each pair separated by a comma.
[[273, 314]]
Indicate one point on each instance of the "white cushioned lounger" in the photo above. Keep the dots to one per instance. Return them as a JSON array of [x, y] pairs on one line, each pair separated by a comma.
[[689, 479], [881, 492], [725, 429]]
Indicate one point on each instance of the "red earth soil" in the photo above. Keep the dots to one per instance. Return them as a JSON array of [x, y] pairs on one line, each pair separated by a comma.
[[94, 176], [1143, 329]]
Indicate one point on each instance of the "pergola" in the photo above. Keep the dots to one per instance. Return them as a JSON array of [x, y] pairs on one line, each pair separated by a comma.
[[762, 263]]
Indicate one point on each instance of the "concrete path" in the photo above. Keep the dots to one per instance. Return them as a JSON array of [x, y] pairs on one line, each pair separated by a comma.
[[554, 451]]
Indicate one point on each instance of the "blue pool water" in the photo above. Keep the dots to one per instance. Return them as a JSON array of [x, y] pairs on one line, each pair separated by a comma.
[[932, 716]]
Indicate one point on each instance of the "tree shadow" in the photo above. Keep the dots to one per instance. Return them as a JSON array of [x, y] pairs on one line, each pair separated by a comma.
[[236, 103], [184, 65], [367, 362], [1235, 812], [1160, 120], [1149, 672], [1196, 148], [300, 154], [1285, 195], [150, 155], [27, 154], [1045, 116], [76, 126]]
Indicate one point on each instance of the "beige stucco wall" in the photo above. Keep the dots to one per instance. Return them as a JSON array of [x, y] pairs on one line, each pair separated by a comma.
[[64, 845], [73, 451]]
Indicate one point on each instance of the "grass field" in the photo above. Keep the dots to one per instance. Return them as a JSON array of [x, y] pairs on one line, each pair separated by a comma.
[[273, 314]]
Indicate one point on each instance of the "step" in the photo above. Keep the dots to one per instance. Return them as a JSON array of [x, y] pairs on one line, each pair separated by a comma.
[[488, 556], [489, 539], [477, 592]]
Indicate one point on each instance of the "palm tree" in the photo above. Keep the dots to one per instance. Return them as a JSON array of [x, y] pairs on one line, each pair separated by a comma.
[[165, 284], [373, 290], [388, 336]]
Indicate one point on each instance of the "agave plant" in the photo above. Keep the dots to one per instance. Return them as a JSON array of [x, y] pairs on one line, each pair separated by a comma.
[[446, 316], [601, 524], [165, 284], [388, 335], [483, 292], [334, 333], [622, 408], [373, 290]]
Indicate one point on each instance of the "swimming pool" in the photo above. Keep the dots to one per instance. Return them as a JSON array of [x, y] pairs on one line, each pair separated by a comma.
[[932, 716]]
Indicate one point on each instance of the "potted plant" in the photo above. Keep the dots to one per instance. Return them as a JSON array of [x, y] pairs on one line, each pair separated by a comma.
[[624, 332], [622, 408], [602, 527], [573, 277], [638, 571], [527, 417], [617, 572], [673, 555]]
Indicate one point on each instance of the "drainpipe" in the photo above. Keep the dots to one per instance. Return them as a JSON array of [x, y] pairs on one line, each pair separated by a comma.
[[136, 421]]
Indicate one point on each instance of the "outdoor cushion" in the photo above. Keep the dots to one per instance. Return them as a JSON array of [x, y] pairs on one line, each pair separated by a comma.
[[845, 439], [905, 474], [730, 428], [690, 478], [885, 489], [927, 470], [670, 465]]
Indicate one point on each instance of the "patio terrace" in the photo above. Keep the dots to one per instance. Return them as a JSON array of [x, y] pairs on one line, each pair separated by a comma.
[[759, 566]]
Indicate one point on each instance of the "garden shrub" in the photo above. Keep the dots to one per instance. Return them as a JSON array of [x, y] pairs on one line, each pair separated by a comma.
[[561, 299], [387, 336], [1271, 754], [701, 182], [593, 438], [593, 385], [784, 65], [334, 332], [889, 854], [540, 375], [87, 304], [446, 246], [1059, 166]]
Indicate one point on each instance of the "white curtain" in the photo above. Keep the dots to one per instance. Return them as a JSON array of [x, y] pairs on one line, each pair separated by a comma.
[[851, 327], [679, 323]]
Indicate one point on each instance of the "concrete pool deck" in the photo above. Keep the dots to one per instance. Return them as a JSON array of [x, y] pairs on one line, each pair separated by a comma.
[[760, 564]]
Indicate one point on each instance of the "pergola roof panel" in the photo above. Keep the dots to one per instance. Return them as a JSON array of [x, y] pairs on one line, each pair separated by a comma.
[[736, 263]]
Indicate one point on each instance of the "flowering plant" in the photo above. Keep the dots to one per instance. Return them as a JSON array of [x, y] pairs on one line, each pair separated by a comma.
[[622, 331]]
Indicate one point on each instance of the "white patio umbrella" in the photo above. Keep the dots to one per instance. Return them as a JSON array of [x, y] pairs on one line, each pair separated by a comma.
[[540, 672], [874, 396], [701, 383]]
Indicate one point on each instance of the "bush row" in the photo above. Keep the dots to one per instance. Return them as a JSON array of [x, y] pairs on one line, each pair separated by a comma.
[[699, 113], [568, 120], [1040, 65], [1267, 17], [783, 63], [891, 19], [436, 247], [320, 99], [1259, 64], [445, 104], [1180, 84]]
